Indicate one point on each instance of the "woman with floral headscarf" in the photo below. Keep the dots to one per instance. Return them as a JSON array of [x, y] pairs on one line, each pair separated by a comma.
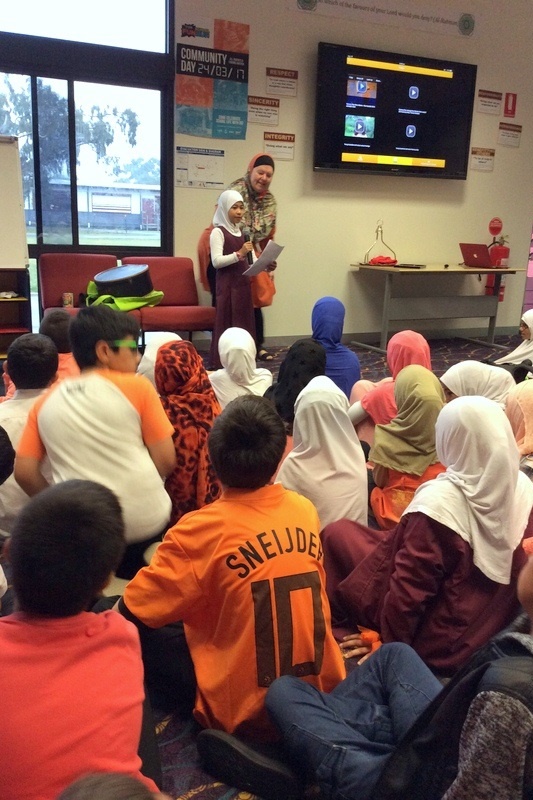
[[191, 406], [260, 219]]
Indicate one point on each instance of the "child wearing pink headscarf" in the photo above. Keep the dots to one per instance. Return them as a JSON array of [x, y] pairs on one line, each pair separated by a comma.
[[373, 403]]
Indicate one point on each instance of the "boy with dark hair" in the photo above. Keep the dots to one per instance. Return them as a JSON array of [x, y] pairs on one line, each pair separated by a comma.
[[72, 680], [32, 366], [245, 575], [56, 325], [107, 425], [32, 361], [95, 324], [245, 445]]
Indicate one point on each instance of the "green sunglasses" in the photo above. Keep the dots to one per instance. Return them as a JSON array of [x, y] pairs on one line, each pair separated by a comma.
[[131, 343]]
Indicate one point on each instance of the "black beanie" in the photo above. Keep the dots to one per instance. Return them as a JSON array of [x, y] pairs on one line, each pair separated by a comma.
[[264, 161]]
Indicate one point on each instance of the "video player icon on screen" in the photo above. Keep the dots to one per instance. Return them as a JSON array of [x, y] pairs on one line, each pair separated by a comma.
[[413, 92], [410, 131]]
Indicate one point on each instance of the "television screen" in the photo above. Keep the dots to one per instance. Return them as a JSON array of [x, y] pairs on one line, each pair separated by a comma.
[[391, 113]]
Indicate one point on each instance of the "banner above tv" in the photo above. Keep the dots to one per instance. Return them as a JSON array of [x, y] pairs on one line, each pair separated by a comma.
[[392, 114]]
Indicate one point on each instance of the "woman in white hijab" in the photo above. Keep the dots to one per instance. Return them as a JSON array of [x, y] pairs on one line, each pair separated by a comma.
[[476, 378], [524, 351], [326, 464], [444, 579], [238, 375]]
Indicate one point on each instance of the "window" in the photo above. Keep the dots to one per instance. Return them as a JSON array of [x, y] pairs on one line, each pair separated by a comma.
[[135, 24], [94, 121]]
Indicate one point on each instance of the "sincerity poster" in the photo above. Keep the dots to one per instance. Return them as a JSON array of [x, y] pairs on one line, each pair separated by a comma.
[[212, 78]]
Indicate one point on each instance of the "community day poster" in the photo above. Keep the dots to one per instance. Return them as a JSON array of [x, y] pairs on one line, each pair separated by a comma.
[[212, 78]]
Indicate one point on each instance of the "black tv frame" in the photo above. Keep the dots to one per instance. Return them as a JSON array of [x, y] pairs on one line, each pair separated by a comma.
[[411, 115]]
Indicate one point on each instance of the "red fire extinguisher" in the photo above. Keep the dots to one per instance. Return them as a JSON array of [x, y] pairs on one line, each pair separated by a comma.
[[499, 256]]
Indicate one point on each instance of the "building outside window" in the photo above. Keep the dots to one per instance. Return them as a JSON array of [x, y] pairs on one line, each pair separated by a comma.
[[90, 97]]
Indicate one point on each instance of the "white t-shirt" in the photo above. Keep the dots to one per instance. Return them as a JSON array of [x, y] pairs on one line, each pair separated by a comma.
[[96, 427]]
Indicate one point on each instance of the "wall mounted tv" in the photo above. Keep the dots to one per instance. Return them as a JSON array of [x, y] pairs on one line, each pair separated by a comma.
[[392, 113]]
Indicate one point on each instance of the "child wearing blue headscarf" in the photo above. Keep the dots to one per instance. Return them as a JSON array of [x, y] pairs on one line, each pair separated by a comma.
[[342, 365]]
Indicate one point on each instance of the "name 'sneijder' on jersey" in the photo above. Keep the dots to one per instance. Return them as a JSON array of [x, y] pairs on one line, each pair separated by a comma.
[[272, 544]]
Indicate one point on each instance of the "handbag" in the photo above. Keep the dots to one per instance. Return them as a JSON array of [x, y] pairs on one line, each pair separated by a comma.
[[263, 289]]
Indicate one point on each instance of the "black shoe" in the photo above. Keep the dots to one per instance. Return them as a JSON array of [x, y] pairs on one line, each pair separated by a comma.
[[238, 764]]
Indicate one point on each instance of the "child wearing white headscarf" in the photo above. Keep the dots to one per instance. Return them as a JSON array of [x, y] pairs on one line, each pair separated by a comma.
[[154, 341], [524, 351], [476, 378], [444, 579], [229, 252], [519, 410], [326, 464], [238, 375]]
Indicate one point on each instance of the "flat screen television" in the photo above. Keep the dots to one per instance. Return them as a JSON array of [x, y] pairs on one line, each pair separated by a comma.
[[392, 113]]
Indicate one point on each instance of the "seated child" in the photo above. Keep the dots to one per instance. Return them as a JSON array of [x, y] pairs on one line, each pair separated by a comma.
[[521, 354], [56, 325], [444, 579], [72, 680], [519, 411], [32, 363], [245, 575], [305, 359], [344, 739], [238, 375], [154, 341], [404, 454], [476, 378], [191, 406], [106, 425], [326, 464], [373, 403], [342, 364]]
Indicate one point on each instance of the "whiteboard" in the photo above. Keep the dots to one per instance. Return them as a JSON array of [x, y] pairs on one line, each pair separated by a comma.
[[13, 243]]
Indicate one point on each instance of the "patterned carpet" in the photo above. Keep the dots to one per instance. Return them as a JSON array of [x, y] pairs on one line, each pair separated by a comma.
[[183, 777]]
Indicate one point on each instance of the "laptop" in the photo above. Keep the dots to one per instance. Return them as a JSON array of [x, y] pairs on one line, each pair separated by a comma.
[[475, 255]]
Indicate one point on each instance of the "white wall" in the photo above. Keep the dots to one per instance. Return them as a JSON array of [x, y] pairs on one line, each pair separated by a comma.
[[327, 221]]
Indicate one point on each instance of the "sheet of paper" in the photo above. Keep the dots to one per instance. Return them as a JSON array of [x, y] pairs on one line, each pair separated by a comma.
[[269, 254]]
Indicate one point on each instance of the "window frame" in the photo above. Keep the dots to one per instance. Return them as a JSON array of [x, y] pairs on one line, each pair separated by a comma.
[[37, 56]]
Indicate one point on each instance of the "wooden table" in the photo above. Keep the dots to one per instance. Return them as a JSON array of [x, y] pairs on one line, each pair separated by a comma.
[[418, 307]]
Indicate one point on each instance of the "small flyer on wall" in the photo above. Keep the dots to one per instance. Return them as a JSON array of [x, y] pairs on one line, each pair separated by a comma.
[[509, 134], [263, 110], [282, 82], [279, 145], [482, 159], [489, 102], [199, 168]]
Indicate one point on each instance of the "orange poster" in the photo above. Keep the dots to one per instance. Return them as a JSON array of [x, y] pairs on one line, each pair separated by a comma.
[[212, 79]]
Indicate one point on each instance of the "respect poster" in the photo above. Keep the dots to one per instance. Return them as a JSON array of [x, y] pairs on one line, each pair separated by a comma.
[[212, 78]]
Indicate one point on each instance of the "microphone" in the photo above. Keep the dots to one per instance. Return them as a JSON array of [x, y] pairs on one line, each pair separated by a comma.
[[249, 256]]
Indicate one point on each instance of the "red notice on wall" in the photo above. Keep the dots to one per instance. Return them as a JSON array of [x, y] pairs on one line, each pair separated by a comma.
[[509, 108]]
